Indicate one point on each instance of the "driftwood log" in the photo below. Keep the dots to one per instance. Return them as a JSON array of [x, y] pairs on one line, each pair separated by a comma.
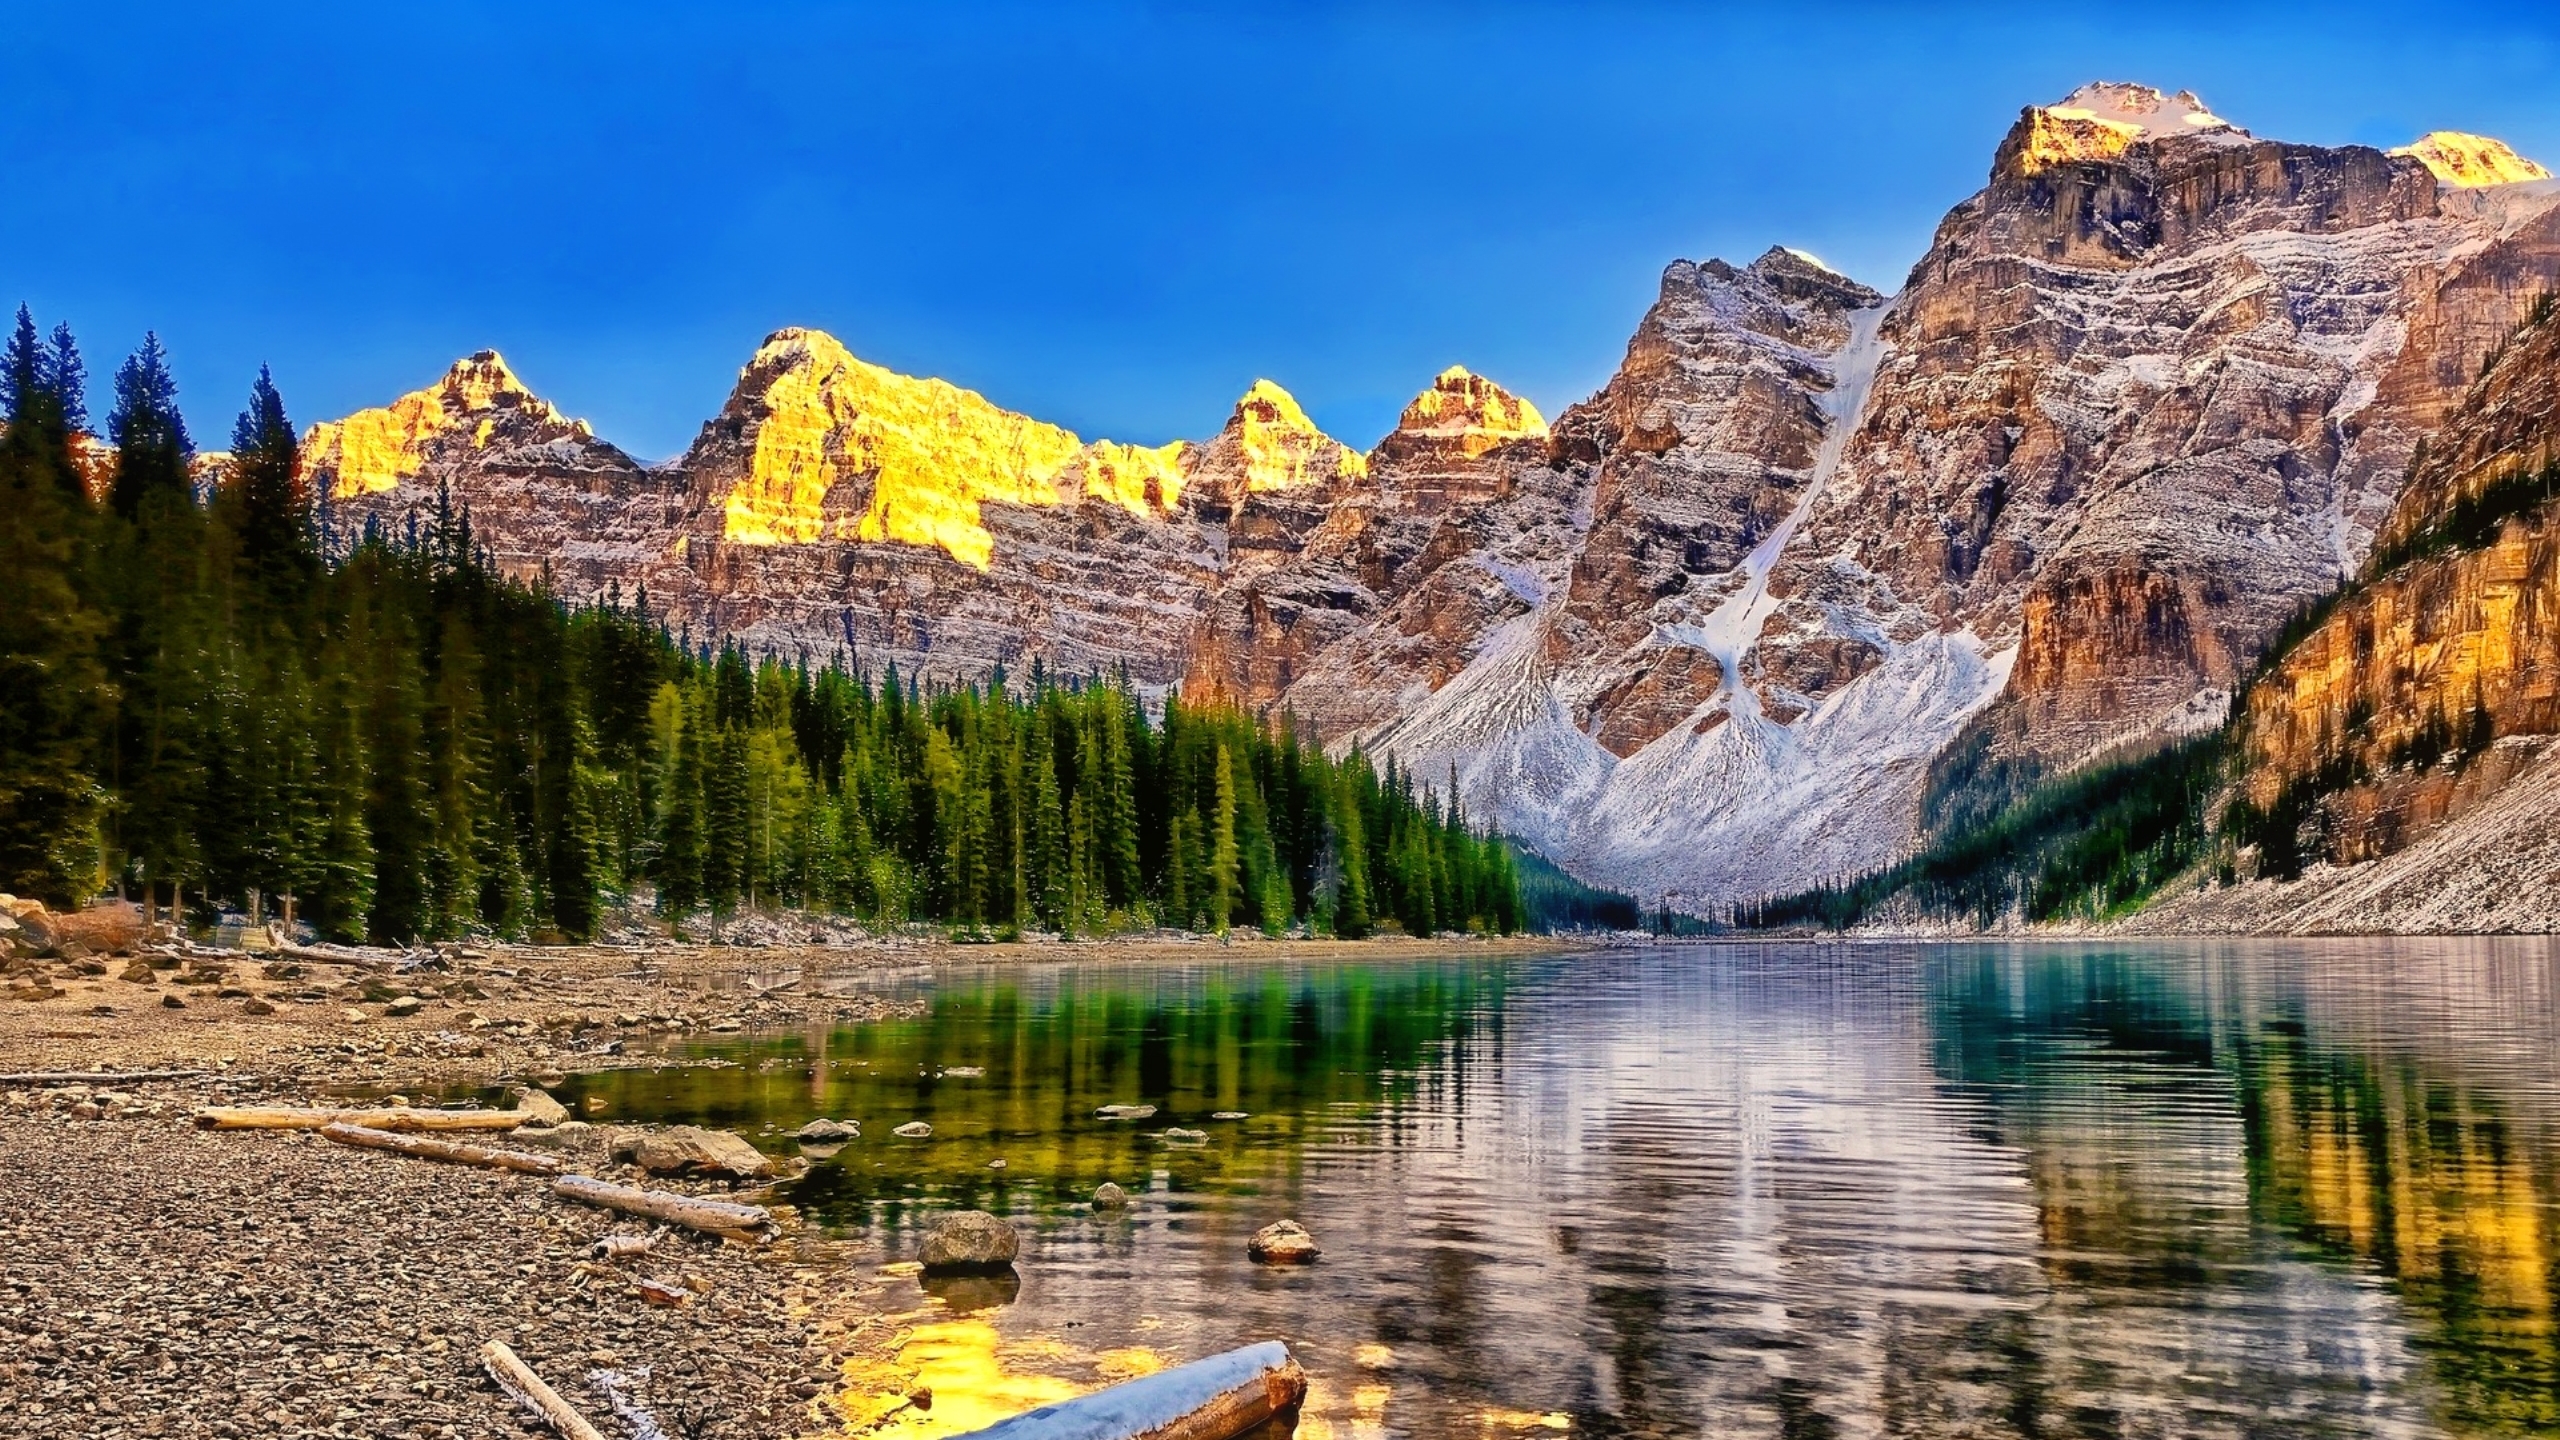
[[1219, 1398], [523, 1162], [296, 1117], [751, 1223], [517, 1379], [41, 1078]]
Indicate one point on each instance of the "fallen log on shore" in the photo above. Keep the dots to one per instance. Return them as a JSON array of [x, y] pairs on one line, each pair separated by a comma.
[[298, 1117], [523, 1162], [751, 1223], [1219, 1398], [41, 1078], [517, 1379]]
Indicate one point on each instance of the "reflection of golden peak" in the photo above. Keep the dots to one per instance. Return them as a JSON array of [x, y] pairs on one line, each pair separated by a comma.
[[374, 450], [2471, 161], [1472, 412]]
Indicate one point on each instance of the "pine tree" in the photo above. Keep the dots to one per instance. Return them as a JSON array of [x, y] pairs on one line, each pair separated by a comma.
[[336, 884], [23, 382], [68, 376], [400, 813], [1355, 916], [680, 852], [265, 505], [724, 804], [54, 700], [153, 453], [1049, 871], [1223, 879]]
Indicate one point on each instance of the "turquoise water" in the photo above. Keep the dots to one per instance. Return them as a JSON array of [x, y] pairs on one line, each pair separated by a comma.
[[1784, 1190]]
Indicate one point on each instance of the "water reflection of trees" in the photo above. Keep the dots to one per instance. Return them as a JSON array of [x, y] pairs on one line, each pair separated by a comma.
[[1303, 1051], [2367, 1144]]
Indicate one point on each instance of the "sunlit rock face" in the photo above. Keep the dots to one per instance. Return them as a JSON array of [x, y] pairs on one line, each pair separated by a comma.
[[1268, 445], [817, 445], [1314, 568], [2463, 642], [2469, 162], [1707, 633], [541, 490], [2102, 121], [2149, 391], [1433, 450], [478, 404]]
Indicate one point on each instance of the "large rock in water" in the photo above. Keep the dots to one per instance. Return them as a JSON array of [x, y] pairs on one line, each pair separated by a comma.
[[969, 1240], [1283, 1242], [690, 1150]]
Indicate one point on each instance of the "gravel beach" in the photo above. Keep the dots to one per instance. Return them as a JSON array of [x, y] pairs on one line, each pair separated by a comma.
[[161, 1280]]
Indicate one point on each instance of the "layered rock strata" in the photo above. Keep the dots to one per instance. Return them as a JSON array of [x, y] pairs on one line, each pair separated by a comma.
[[1706, 634], [2427, 687]]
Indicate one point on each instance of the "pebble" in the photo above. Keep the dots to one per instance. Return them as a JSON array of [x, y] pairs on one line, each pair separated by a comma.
[[296, 1288]]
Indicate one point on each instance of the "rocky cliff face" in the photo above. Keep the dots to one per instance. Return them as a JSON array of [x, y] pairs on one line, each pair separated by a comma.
[[2149, 390], [2400, 706], [542, 490]]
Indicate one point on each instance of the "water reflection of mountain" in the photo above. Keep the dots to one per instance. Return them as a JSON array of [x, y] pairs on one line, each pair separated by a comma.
[[2261, 1133], [1754, 1191]]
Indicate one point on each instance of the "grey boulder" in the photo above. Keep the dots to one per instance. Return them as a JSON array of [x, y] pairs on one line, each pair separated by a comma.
[[690, 1150], [969, 1240]]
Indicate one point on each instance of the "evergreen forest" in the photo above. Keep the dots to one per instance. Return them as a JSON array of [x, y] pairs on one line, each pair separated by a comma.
[[205, 692]]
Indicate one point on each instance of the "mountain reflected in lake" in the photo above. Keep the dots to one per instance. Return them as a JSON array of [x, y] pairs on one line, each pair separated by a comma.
[[1784, 1190]]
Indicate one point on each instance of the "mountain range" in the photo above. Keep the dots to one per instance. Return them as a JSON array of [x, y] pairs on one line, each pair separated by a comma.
[[1817, 566]]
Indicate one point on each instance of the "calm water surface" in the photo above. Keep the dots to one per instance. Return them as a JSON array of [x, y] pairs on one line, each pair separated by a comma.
[[1785, 1190]]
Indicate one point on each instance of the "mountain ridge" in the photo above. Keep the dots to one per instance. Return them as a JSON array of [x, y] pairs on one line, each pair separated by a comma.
[[1708, 630]]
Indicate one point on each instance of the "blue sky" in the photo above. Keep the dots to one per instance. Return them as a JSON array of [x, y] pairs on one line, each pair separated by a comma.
[[1113, 217]]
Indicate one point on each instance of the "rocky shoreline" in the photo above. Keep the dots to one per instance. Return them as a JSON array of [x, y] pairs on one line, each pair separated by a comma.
[[164, 1281]]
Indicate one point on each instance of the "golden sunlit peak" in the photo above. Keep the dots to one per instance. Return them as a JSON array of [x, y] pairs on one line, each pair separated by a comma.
[[2469, 161], [1283, 406], [2104, 119], [374, 450], [1472, 412], [2138, 108], [931, 453], [1279, 448]]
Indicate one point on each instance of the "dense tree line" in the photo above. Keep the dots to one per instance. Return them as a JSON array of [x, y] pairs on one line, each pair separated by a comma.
[[203, 693], [2086, 845]]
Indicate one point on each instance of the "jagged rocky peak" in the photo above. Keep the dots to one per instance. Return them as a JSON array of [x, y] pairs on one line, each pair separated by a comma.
[[816, 444], [1454, 444], [1797, 275], [1465, 411], [1269, 444], [2471, 162], [2103, 120], [478, 404]]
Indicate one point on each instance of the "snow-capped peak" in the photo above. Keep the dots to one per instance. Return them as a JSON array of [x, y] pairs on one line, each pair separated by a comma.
[[2138, 108]]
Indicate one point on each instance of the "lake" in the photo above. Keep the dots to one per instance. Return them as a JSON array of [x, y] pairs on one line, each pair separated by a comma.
[[2171, 1189]]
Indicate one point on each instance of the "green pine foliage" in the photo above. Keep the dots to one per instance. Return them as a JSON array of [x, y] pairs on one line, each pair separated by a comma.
[[413, 747], [2087, 845]]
